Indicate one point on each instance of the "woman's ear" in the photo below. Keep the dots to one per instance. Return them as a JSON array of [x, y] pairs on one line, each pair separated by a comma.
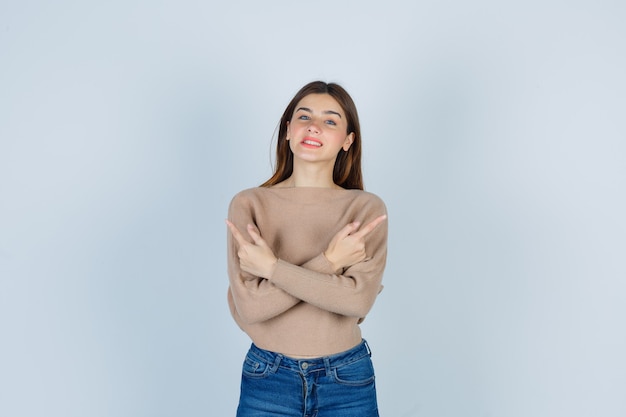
[[348, 142]]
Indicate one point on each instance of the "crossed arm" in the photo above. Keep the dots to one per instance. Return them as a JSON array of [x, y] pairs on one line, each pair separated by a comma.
[[259, 291]]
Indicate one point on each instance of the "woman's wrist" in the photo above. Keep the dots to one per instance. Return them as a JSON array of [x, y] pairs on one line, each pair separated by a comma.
[[331, 261], [270, 269]]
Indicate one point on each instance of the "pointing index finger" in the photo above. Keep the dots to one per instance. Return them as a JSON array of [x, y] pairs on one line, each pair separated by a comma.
[[365, 230], [236, 233]]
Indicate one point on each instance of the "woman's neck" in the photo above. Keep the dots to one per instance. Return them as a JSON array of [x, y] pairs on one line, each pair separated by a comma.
[[309, 176]]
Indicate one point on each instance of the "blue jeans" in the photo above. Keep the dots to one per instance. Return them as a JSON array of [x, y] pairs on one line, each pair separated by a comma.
[[340, 385]]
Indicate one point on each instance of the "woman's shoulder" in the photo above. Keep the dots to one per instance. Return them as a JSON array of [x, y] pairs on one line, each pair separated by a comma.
[[369, 199], [259, 194], [247, 192], [247, 195], [367, 195]]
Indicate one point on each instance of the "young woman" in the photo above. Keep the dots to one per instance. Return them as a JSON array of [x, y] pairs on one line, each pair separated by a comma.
[[306, 254]]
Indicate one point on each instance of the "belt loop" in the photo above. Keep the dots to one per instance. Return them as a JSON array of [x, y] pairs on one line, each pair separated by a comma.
[[327, 365], [277, 360], [369, 352]]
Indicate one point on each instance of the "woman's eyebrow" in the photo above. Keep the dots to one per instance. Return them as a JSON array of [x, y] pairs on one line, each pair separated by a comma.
[[324, 112], [332, 112]]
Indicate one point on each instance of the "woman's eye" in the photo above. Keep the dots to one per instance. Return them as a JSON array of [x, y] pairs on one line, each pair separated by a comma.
[[331, 122], [303, 117]]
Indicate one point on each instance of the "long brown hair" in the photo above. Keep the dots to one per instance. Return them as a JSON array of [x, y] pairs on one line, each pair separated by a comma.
[[347, 169]]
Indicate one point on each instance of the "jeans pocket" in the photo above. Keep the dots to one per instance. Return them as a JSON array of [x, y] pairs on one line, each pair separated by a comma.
[[360, 372], [255, 368]]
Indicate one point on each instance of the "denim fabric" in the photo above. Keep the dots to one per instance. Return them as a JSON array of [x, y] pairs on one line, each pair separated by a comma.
[[340, 385]]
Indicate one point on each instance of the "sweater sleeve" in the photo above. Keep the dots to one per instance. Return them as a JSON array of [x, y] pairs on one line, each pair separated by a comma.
[[350, 292], [253, 299]]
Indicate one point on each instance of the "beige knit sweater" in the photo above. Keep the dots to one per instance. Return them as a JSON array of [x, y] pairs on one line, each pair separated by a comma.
[[305, 309]]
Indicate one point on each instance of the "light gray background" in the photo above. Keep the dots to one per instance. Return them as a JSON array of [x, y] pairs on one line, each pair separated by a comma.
[[494, 131]]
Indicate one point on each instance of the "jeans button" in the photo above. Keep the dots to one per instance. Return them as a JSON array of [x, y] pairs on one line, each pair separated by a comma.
[[305, 365]]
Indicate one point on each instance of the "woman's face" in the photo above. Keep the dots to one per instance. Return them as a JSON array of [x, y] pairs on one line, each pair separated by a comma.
[[318, 128]]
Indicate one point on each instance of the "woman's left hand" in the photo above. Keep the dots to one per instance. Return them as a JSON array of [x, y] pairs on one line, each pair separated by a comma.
[[255, 258]]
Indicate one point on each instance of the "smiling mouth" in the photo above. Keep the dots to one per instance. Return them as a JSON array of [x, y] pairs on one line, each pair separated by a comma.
[[312, 142]]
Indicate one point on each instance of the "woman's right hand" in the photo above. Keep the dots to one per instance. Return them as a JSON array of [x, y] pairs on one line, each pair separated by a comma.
[[348, 246]]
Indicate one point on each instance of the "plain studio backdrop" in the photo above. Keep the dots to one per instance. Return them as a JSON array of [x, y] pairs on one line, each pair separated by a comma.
[[495, 132]]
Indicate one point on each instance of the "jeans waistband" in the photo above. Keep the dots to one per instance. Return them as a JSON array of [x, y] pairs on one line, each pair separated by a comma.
[[307, 365]]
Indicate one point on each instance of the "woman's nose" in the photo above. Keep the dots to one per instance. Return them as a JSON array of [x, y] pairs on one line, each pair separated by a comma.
[[313, 127]]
